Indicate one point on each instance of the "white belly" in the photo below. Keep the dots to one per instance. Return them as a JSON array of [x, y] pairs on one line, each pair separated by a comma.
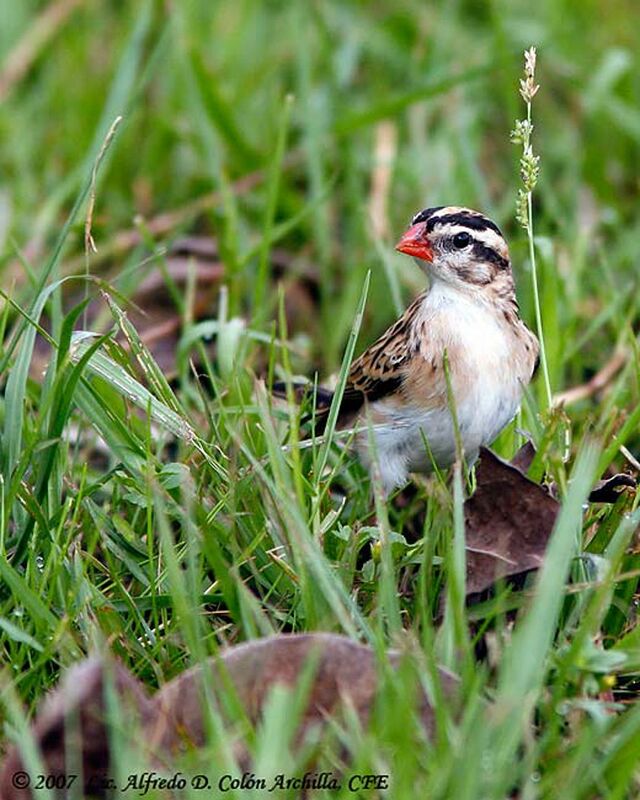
[[417, 438], [486, 391]]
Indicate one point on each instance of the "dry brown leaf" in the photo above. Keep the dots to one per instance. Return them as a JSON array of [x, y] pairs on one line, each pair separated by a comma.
[[509, 518], [524, 457], [344, 671], [508, 521], [71, 719], [153, 310], [608, 490]]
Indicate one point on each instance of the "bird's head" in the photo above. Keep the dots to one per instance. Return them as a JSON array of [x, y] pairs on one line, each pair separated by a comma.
[[458, 246]]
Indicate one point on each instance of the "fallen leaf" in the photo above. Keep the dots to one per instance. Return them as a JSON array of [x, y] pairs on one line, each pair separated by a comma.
[[153, 311], [343, 672], [609, 490], [508, 521], [72, 720], [524, 457]]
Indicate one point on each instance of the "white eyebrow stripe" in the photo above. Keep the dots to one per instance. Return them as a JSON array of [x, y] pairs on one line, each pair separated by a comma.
[[447, 211]]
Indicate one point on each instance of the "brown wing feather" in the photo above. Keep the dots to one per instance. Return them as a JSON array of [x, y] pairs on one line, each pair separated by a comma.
[[379, 371], [382, 368]]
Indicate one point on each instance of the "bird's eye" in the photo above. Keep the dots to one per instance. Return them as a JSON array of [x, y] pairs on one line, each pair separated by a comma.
[[461, 240]]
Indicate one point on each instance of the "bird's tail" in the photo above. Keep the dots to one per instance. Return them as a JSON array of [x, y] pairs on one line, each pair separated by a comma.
[[315, 400]]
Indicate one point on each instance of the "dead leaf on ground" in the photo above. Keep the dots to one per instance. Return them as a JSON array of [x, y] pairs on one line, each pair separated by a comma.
[[343, 671], [607, 490], [153, 311], [508, 521], [509, 518], [523, 459], [71, 719], [159, 322], [610, 489]]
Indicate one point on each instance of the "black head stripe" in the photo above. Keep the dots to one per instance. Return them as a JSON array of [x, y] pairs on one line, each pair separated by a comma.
[[425, 214], [483, 252], [471, 221]]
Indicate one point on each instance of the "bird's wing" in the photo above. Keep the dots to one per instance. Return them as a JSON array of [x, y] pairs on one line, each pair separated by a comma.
[[382, 370], [383, 367]]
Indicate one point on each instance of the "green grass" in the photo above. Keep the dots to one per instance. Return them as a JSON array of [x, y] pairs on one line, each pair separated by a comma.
[[205, 521]]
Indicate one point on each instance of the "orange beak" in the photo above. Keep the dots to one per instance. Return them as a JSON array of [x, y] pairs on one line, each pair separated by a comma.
[[414, 243]]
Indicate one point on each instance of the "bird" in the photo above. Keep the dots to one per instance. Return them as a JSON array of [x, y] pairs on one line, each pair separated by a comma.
[[460, 355]]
